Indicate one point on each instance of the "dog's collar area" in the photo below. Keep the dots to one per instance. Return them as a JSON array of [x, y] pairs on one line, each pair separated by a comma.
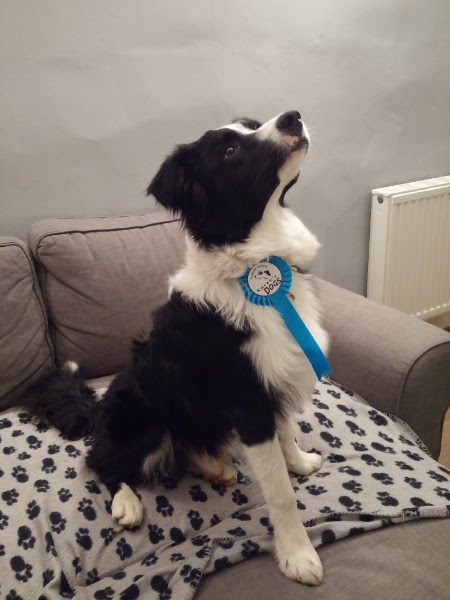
[[267, 284]]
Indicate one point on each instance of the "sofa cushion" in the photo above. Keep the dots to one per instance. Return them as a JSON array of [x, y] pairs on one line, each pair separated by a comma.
[[101, 279], [25, 348]]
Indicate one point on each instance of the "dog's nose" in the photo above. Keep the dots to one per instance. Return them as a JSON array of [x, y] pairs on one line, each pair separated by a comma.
[[289, 123]]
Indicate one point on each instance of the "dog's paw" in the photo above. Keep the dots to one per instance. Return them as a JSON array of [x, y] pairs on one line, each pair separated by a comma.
[[228, 476], [301, 564], [305, 464], [126, 508]]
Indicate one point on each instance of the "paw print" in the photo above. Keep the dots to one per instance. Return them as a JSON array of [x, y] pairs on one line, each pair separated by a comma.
[[315, 490], [169, 483], [250, 549], [353, 486], [310, 523], [195, 519], [70, 473], [333, 441], [404, 466], [107, 534], [266, 523], [88, 441], [152, 559], [413, 482], [57, 521], [5, 423], [160, 585], [385, 437], [220, 488], [123, 549], [243, 479], [322, 474], [336, 458], [305, 427], [42, 486], [2, 550], [197, 494], [200, 540], [381, 448], [53, 449], [412, 455], [108, 506], [203, 552], [21, 568], [24, 456], [239, 498], [335, 394], [442, 492], [371, 460], [386, 499], [155, 533], [104, 594], [17, 433], [50, 544], [405, 440], [42, 427], [349, 471], [177, 536], [33, 510], [20, 474], [47, 576], [350, 505], [25, 539], [85, 507], [48, 465], [163, 506], [10, 496], [83, 538], [437, 476], [383, 478], [238, 532], [300, 505], [354, 428], [33, 442], [191, 575], [8, 450], [225, 543], [214, 520], [359, 447], [323, 420], [222, 563], [92, 577], [377, 418], [320, 404], [241, 516], [24, 418], [418, 502], [76, 565], [92, 487], [72, 451], [411, 512], [350, 412], [64, 494]]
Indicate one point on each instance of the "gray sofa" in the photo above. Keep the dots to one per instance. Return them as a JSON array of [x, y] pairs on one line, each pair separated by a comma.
[[83, 287]]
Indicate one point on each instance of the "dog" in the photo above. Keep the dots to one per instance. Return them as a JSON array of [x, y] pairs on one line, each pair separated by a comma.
[[215, 366]]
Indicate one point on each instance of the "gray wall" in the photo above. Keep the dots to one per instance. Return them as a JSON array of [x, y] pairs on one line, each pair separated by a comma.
[[94, 94]]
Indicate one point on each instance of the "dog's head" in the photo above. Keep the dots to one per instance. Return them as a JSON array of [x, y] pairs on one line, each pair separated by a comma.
[[221, 184]]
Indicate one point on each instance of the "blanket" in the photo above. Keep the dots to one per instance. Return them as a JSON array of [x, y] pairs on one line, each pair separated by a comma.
[[57, 537]]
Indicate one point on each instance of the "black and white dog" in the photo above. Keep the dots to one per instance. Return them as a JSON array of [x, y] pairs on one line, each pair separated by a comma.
[[215, 365]]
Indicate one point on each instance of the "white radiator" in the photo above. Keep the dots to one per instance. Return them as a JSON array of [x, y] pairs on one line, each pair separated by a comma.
[[409, 252]]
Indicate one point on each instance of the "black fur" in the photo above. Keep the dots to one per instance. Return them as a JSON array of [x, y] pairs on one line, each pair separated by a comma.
[[220, 199]]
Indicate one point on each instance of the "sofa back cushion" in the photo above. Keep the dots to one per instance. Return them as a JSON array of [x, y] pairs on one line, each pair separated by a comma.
[[25, 348], [101, 279]]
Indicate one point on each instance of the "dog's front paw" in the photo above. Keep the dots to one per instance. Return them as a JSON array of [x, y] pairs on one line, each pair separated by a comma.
[[302, 564], [126, 508], [228, 476], [305, 463]]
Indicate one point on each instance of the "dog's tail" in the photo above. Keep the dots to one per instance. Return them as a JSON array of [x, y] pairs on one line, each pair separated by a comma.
[[64, 400]]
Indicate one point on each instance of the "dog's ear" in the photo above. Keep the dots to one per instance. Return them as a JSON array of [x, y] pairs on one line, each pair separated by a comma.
[[175, 188]]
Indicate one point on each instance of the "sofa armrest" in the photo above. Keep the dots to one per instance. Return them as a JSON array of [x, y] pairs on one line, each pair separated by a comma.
[[399, 364]]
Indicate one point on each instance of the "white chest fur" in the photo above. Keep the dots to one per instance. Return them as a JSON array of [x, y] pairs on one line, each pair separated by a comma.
[[211, 276]]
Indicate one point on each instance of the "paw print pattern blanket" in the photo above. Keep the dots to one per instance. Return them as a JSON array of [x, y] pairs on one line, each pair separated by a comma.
[[57, 537]]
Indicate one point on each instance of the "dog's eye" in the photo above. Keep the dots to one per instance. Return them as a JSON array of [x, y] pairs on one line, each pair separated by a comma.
[[231, 151]]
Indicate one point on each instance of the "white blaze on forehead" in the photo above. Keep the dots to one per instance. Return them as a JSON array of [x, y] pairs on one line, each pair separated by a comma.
[[238, 127]]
